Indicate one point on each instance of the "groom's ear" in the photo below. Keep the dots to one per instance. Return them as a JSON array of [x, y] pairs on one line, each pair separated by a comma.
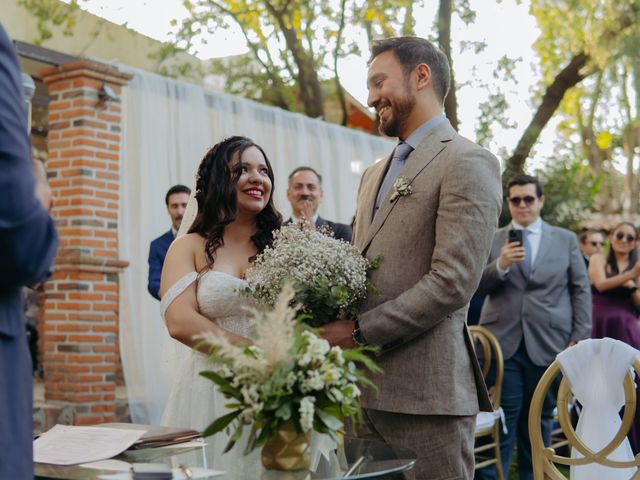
[[423, 75]]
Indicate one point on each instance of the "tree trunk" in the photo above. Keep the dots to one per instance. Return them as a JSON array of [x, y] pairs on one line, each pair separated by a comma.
[[339, 90], [569, 77], [307, 76], [444, 41]]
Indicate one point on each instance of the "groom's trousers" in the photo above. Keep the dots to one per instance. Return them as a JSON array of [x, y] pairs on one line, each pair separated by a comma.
[[443, 443]]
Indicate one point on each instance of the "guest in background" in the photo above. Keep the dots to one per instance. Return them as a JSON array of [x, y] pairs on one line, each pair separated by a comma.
[[304, 195], [591, 242], [538, 303], [616, 298], [176, 200], [29, 242]]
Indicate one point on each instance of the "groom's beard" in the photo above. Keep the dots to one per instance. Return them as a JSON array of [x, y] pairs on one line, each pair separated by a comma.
[[400, 112]]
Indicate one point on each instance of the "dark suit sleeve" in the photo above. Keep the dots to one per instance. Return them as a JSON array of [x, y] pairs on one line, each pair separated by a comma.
[[28, 238], [580, 291], [342, 232], [155, 269]]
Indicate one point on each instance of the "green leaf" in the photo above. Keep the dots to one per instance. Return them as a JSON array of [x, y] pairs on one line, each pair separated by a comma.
[[329, 420], [220, 423], [284, 411], [224, 385]]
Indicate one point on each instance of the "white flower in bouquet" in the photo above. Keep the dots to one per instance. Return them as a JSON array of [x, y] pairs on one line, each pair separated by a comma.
[[307, 409], [287, 374], [329, 275]]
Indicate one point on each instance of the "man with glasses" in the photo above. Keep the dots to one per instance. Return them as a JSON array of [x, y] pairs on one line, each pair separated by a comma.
[[591, 241], [538, 303]]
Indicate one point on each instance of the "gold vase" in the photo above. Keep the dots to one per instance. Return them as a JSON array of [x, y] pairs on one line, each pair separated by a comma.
[[288, 449]]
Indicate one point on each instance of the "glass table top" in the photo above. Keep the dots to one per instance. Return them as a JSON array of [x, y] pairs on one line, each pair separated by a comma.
[[359, 459]]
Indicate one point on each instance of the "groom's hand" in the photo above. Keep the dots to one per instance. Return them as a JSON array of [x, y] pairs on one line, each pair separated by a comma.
[[339, 333]]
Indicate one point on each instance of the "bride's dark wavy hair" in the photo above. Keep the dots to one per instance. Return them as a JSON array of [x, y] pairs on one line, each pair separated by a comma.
[[217, 197]]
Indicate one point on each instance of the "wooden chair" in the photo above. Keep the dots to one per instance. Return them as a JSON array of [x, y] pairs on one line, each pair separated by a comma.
[[488, 424], [546, 458]]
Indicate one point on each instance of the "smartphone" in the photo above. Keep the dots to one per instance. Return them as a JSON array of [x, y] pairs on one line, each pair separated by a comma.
[[515, 236]]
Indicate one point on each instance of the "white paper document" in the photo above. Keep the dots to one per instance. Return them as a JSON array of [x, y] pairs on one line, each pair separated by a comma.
[[70, 445]]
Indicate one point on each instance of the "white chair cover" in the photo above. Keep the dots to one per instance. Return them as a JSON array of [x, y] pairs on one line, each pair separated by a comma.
[[596, 369]]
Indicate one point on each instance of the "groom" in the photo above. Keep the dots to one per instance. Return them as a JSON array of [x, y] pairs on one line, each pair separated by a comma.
[[430, 210]]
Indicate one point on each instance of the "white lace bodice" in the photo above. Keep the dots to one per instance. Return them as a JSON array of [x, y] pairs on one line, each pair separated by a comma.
[[219, 299]]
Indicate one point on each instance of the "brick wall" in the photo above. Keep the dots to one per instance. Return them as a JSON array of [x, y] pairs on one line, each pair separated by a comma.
[[80, 325]]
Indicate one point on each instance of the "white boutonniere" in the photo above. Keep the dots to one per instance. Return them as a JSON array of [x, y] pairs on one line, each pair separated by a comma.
[[401, 187]]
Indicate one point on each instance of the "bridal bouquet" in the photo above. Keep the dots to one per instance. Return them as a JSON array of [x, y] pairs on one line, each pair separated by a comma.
[[288, 375], [329, 275]]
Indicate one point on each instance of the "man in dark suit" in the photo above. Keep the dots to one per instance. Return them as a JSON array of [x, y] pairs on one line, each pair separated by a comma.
[[304, 195], [538, 303], [176, 200], [28, 242]]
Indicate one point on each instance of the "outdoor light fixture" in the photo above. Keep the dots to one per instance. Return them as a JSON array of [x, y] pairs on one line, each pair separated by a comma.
[[28, 89], [107, 94]]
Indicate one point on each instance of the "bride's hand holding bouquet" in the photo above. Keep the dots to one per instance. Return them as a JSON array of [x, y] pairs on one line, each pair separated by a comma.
[[329, 275]]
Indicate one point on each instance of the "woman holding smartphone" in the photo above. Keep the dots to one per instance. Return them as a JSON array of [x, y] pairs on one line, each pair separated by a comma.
[[616, 299]]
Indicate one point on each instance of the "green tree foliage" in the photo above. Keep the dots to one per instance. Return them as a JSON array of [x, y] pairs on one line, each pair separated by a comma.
[[578, 39], [570, 189], [294, 44], [51, 15], [600, 111]]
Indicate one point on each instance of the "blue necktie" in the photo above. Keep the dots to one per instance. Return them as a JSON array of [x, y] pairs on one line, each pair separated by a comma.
[[526, 263], [400, 154]]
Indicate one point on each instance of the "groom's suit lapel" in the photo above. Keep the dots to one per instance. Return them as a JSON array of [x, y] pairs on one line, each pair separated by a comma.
[[430, 147]]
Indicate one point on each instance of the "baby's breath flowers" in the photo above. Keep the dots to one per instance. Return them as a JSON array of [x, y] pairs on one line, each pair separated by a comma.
[[288, 373], [401, 188], [329, 275]]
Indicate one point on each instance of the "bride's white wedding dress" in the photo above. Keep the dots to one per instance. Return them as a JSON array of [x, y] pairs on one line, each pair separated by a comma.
[[194, 402]]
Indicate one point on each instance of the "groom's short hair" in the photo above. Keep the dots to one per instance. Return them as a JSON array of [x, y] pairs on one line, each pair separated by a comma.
[[176, 189], [411, 52]]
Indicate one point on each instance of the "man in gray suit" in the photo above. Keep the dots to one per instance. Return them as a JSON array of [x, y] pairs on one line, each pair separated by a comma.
[[538, 303], [430, 209]]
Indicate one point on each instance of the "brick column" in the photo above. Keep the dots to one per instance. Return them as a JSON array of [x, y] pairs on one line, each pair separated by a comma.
[[81, 354]]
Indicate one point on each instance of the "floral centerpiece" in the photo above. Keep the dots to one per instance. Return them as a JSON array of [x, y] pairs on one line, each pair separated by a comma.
[[329, 275], [288, 378]]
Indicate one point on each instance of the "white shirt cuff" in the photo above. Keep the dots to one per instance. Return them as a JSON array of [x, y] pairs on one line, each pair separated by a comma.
[[501, 273]]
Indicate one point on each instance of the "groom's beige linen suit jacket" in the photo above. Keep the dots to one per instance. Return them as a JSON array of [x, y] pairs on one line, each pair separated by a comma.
[[434, 244]]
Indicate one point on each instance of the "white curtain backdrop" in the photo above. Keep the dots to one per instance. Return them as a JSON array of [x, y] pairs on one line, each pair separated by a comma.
[[168, 126]]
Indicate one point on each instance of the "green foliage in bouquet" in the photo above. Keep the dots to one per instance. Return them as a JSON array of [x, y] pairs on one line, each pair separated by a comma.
[[288, 373], [329, 275]]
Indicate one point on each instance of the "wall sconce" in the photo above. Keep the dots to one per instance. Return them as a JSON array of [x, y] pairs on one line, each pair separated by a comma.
[[28, 89], [107, 94]]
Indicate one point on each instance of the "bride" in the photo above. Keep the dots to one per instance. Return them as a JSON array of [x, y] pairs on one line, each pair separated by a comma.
[[204, 270]]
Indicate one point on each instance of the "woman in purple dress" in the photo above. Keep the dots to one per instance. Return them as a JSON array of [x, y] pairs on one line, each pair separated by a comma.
[[616, 299]]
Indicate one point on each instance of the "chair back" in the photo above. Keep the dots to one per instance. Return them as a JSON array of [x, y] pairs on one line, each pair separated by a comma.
[[489, 352], [545, 458]]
